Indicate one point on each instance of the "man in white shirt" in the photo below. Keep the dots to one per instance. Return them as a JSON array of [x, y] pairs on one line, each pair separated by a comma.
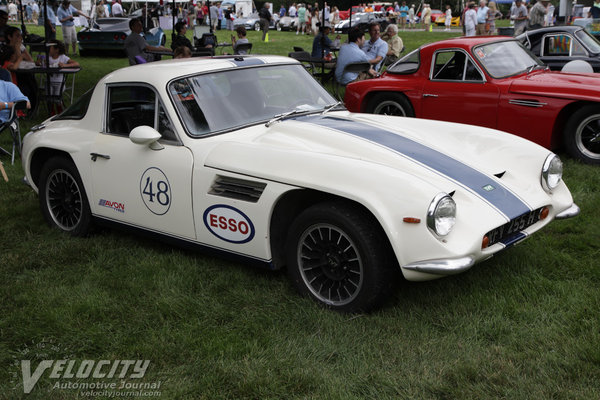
[[482, 13], [117, 9]]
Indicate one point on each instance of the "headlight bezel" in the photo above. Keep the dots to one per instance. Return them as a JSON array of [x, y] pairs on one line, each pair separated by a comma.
[[437, 205], [549, 179]]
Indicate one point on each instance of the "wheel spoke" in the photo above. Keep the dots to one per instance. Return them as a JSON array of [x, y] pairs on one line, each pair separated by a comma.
[[330, 264]]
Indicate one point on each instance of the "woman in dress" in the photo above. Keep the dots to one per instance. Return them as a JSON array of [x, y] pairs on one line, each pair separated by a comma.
[[492, 15]]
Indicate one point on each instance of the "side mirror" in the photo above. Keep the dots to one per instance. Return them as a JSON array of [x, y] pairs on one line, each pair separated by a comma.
[[146, 136]]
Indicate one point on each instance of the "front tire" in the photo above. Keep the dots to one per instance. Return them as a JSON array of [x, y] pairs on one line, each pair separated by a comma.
[[391, 104], [582, 134], [338, 256], [63, 200]]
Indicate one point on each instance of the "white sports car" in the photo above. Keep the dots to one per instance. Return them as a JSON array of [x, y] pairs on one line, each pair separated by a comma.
[[252, 157]]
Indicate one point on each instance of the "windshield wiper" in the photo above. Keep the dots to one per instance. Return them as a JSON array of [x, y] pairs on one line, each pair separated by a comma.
[[330, 107], [531, 68], [280, 117]]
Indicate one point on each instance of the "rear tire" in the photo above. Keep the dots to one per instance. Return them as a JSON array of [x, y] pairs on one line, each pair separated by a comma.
[[582, 134], [395, 104], [339, 256], [63, 200]]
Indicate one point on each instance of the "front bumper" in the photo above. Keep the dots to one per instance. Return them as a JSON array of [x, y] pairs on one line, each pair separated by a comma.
[[570, 212], [442, 267]]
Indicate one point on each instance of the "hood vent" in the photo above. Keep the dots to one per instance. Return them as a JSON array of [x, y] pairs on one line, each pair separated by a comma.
[[238, 189], [500, 175]]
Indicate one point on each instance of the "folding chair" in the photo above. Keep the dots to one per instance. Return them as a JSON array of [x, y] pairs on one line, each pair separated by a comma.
[[12, 125], [243, 48]]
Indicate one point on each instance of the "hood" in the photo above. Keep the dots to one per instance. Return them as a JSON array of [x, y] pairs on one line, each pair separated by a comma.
[[558, 84], [439, 156]]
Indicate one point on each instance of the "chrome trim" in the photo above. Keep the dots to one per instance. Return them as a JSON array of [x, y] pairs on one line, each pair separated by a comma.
[[527, 103], [545, 171], [442, 267], [431, 213], [569, 212], [26, 182]]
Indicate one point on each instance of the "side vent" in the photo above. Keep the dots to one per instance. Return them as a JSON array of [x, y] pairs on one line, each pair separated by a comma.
[[238, 189]]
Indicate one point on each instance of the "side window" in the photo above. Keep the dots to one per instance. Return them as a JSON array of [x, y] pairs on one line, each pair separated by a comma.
[[472, 73], [133, 106], [130, 107], [455, 66], [557, 45], [577, 49], [449, 65]]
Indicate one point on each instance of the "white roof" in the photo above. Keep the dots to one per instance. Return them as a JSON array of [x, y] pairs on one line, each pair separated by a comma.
[[160, 72]]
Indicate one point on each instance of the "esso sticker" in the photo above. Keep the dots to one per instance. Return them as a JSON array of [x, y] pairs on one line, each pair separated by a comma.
[[229, 224]]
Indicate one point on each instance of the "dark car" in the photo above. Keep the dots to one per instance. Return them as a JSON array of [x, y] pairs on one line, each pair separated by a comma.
[[109, 34], [557, 45]]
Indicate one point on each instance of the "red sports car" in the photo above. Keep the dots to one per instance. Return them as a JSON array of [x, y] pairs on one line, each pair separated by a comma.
[[491, 82]]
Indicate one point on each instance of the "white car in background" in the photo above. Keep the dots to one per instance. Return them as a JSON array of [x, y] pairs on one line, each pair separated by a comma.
[[251, 157]]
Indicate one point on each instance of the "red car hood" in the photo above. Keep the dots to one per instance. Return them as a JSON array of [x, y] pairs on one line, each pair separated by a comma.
[[558, 84]]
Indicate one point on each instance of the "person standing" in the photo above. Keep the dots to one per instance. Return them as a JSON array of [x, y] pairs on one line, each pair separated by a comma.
[[537, 15], [214, 16], [448, 19], [493, 13], [282, 11], [301, 19], [35, 11], [595, 10], [411, 17], [482, 14], [404, 14], [519, 15], [470, 20], [100, 10], [117, 9], [293, 10], [426, 16], [66, 16], [265, 20]]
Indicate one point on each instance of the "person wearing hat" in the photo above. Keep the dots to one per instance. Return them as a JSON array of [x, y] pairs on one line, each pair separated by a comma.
[[325, 41], [66, 15], [537, 15]]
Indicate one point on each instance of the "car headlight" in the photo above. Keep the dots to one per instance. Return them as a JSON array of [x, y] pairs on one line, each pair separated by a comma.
[[551, 172], [441, 214]]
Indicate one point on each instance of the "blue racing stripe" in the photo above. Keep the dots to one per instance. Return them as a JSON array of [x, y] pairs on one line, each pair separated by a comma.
[[499, 196], [246, 62]]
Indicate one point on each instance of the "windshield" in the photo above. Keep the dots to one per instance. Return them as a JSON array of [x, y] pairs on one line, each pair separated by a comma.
[[503, 59], [221, 101], [588, 41]]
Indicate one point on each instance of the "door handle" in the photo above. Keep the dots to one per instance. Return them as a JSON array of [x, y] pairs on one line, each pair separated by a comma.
[[429, 95], [96, 155]]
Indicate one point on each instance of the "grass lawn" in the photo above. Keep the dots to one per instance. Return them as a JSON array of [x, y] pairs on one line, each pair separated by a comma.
[[523, 325]]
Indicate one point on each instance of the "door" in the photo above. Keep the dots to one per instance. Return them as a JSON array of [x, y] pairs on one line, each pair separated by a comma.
[[137, 184], [458, 92]]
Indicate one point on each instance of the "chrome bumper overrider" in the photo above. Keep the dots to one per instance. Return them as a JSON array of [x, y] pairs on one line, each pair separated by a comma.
[[569, 212], [442, 267]]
